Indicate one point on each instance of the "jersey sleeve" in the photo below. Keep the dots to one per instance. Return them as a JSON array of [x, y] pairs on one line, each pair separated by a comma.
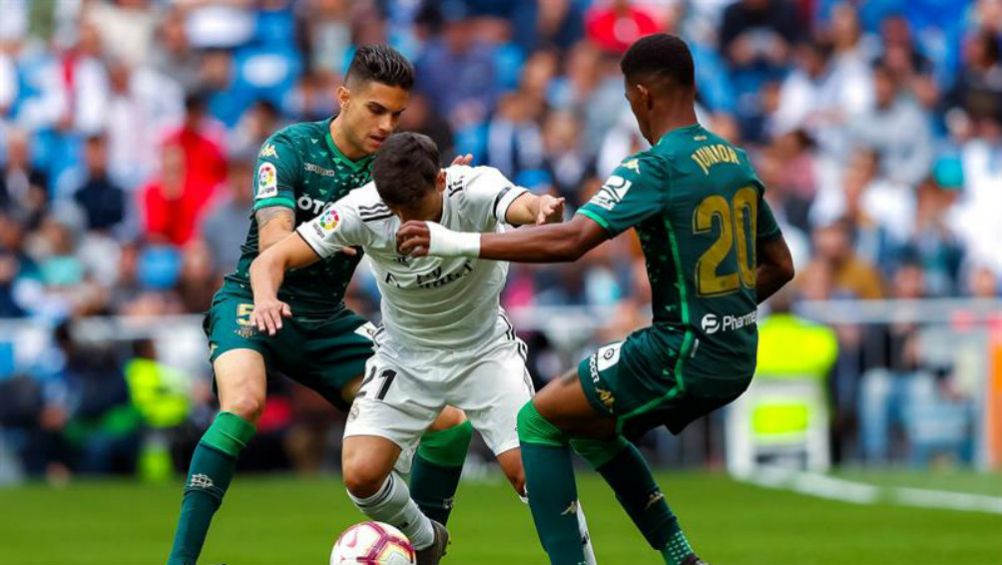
[[632, 193], [277, 173], [766, 225], [338, 227], [487, 195]]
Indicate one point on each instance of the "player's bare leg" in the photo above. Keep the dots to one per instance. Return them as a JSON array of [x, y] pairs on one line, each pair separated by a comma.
[[241, 383], [438, 463], [367, 463], [546, 426]]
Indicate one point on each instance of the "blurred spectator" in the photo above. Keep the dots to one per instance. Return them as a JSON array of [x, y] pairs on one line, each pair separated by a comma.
[[933, 243], [218, 24], [258, 122], [102, 201], [514, 142], [420, 117], [24, 191], [559, 22], [142, 104], [312, 100], [852, 277], [172, 53], [758, 33], [85, 82], [984, 283], [893, 384], [756, 37], [232, 209], [615, 24], [328, 33], [192, 167], [197, 280], [564, 158], [456, 71], [883, 210], [10, 269], [976, 213], [126, 27], [897, 128], [978, 85]]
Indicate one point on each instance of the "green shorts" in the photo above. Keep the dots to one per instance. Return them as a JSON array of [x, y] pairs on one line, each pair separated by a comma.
[[636, 382], [322, 354]]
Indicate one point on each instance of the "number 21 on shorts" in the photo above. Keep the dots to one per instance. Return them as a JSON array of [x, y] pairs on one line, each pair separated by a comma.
[[383, 379]]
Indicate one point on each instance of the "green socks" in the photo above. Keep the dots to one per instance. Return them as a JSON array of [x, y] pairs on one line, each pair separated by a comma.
[[553, 495], [677, 550], [549, 481], [437, 468], [621, 465], [209, 476]]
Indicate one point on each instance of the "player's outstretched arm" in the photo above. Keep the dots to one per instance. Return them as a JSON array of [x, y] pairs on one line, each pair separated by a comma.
[[266, 275], [553, 243], [775, 266]]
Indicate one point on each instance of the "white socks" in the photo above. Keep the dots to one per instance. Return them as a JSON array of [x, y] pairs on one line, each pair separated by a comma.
[[392, 504]]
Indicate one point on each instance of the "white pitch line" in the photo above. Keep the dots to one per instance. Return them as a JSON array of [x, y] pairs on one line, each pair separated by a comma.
[[945, 499], [824, 486]]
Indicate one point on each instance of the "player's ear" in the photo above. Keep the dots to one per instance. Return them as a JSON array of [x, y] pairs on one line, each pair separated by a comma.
[[440, 181], [343, 96], [645, 96]]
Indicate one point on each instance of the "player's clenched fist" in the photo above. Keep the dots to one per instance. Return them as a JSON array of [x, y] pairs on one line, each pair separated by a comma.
[[268, 313]]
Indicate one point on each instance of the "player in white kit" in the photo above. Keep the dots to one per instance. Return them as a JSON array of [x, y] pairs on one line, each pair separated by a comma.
[[444, 339]]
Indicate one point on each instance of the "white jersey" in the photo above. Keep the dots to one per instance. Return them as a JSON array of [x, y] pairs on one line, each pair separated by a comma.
[[429, 302]]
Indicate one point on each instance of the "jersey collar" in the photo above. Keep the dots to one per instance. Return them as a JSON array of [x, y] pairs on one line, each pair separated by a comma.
[[682, 129], [338, 155]]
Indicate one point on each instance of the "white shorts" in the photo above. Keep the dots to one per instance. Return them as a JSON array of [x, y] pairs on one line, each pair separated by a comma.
[[405, 389]]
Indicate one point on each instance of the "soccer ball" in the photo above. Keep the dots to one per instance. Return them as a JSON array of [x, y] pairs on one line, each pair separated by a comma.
[[373, 543]]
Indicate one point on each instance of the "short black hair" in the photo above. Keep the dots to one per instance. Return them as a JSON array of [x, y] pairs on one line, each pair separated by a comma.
[[405, 169], [660, 55], [382, 64]]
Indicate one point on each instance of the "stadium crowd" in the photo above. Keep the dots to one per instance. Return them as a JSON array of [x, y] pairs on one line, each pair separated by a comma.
[[129, 131]]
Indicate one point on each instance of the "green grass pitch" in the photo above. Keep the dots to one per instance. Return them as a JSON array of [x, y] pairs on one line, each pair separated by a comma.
[[293, 521]]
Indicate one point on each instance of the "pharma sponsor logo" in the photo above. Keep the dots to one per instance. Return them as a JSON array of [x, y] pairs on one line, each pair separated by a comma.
[[713, 323]]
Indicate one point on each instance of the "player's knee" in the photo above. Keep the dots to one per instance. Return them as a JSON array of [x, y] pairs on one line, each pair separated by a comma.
[[248, 406], [599, 452], [362, 477], [450, 417], [534, 428]]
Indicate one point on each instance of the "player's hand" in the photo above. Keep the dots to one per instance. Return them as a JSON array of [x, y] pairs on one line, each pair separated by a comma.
[[268, 313], [413, 239], [551, 210], [463, 159], [349, 251]]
